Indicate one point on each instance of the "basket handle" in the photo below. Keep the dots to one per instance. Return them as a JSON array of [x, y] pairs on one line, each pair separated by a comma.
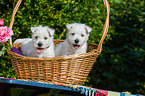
[[13, 16], [106, 26], [105, 29]]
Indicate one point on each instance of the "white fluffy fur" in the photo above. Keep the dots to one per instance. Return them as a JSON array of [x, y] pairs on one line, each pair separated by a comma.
[[40, 34], [77, 35]]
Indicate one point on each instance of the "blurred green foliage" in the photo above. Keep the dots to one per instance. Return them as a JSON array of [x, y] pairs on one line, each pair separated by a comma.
[[120, 67]]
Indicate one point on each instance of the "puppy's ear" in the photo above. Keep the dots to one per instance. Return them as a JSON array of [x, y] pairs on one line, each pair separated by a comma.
[[51, 31], [88, 29], [68, 26], [34, 28]]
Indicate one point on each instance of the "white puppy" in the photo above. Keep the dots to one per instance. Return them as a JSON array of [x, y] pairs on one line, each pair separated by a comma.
[[41, 45], [76, 40]]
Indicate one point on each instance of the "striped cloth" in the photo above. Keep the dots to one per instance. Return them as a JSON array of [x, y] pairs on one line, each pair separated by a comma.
[[88, 91]]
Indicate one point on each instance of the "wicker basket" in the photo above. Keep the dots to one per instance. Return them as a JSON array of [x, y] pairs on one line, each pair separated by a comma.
[[70, 69]]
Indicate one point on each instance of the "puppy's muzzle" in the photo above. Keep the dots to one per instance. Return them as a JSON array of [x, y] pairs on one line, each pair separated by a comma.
[[76, 44], [39, 49]]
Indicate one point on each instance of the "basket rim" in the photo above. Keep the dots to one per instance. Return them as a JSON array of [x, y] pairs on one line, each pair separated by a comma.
[[59, 57]]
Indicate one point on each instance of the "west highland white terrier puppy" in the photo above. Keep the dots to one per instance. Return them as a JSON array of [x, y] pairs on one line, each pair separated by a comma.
[[76, 40], [40, 45]]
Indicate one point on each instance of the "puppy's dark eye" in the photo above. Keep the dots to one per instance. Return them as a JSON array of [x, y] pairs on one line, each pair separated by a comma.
[[36, 37], [72, 34], [82, 35], [45, 38]]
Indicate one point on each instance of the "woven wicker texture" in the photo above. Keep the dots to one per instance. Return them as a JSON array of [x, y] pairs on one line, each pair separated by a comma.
[[72, 69]]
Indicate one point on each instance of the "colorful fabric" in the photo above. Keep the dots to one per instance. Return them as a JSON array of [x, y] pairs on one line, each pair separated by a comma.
[[88, 91]]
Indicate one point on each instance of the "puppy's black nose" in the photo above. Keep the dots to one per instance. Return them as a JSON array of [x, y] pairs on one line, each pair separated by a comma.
[[39, 44], [76, 41]]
